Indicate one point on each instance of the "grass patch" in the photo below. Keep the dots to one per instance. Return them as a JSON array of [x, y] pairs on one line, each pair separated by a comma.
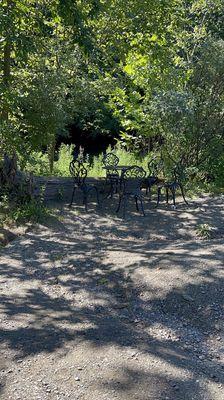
[[38, 164], [204, 231], [30, 212]]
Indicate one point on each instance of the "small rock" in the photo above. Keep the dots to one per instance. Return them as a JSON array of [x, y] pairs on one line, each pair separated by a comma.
[[120, 306], [77, 379], [215, 378], [218, 327], [187, 297]]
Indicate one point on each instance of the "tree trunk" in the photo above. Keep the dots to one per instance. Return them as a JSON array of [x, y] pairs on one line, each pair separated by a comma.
[[51, 152], [7, 65], [6, 77]]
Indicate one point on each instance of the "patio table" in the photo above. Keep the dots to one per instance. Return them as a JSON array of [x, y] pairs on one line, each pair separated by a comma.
[[114, 182], [117, 168]]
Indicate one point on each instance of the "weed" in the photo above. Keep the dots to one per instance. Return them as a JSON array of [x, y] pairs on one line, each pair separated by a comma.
[[32, 211], [204, 231], [60, 193]]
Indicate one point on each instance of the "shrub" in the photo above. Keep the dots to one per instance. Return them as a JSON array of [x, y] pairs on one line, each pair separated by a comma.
[[204, 231], [31, 211]]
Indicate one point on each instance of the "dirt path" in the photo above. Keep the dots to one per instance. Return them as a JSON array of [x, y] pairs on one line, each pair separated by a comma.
[[93, 307]]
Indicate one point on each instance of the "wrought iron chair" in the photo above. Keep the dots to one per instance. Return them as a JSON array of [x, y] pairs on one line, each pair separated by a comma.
[[110, 161], [172, 185], [154, 168], [131, 187], [79, 172]]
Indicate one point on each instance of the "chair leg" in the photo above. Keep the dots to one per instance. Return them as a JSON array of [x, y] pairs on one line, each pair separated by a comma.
[[142, 208], [124, 206], [119, 204], [136, 203], [149, 193], [85, 201], [107, 195], [174, 196], [158, 196], [182, 192], [104, 184], [116, 186], [167, 195], [73, 193], [97, 195], [111, 191]]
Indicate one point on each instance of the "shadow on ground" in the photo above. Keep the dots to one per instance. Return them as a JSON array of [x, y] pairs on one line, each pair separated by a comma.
[[95, 280]]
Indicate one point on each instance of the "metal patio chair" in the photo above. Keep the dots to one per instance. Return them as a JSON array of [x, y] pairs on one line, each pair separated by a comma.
[[110, 162], [172, 185], [79, 173], [154, 170], [131, 187]]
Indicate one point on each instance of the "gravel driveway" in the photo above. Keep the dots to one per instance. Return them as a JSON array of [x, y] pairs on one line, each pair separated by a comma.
[[94, 307]]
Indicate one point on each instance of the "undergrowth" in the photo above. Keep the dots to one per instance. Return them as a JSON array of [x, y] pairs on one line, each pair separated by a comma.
[[28, 210], [204, 231], [38, 164], [32, 211]]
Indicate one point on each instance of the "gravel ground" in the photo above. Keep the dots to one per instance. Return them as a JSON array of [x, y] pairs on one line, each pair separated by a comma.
[[94, 307]]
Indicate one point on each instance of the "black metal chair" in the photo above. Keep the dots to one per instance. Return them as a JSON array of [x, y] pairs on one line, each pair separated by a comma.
[[171, 186], [152, 179], [79, 172], [131, 187], [110, 161]]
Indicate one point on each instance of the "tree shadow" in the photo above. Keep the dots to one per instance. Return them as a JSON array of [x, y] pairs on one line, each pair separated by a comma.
[[92, 281]]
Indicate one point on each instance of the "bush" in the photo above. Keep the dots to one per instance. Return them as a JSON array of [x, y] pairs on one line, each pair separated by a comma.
[[38, 164], [17, 204], [32, 211], [61, 166]]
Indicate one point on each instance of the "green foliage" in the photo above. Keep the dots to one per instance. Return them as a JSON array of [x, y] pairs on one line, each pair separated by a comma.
[[39, 164], [151, 72], [31, 211], [61, 167], [22, 208]]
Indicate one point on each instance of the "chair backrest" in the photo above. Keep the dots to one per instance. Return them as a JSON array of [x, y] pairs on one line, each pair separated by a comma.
[[179, 174], [155, 166], [78, 171], [110, 160], [112, 173], [132, 179]]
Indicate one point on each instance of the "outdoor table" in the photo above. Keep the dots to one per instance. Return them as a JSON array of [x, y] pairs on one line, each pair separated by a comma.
[[116, 168]]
